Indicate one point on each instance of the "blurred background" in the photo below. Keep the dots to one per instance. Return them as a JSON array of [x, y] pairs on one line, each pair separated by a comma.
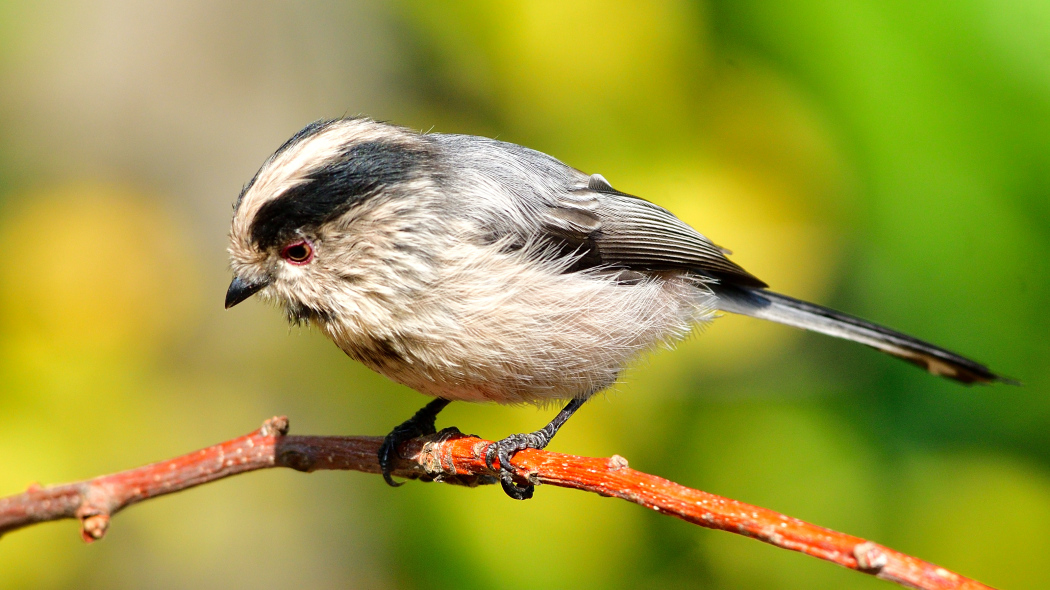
[[891, 159]]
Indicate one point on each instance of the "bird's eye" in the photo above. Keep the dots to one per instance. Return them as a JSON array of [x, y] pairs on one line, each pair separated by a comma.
[[298, 252]]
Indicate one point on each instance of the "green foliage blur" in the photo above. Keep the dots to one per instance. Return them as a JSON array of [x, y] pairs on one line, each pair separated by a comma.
[[891, 159]]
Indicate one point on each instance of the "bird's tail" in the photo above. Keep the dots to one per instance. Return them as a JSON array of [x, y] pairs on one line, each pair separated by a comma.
[[766, 305]]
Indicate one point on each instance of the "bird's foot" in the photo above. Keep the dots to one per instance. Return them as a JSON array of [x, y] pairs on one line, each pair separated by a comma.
[[420, 424], [505, 449]]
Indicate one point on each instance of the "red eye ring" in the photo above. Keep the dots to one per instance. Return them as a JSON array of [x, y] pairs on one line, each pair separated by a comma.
[[298, 253]]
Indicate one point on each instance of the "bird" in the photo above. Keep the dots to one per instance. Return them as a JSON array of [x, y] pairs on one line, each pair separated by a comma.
[[472, 269]]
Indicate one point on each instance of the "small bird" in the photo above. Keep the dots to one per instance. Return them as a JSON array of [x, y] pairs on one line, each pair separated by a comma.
[[478, 270]]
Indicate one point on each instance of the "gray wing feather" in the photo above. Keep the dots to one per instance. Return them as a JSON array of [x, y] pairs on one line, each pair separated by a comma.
[[615, 229], [583, 216]]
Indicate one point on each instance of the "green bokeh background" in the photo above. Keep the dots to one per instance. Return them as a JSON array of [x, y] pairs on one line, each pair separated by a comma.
[[891, 159]]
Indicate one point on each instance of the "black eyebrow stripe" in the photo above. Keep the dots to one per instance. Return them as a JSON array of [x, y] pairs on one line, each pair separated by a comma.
[[332, 189]]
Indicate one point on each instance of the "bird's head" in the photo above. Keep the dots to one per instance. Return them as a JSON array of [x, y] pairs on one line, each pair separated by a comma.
[[302, 225]]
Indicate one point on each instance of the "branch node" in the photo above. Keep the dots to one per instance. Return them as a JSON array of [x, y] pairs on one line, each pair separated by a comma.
[[276, 426], [430, 459], [94, 527], [870, 557], [94, 521], [438, 461], [296, 460]]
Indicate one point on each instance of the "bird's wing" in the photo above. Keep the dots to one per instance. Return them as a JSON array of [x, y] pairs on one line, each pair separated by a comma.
[[608, 228], [614, 229]]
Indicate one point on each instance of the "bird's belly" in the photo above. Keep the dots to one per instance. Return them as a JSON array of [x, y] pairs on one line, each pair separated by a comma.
[[480, 374]]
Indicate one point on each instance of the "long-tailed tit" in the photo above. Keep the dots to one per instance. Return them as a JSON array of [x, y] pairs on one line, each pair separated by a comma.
[[473, 269]]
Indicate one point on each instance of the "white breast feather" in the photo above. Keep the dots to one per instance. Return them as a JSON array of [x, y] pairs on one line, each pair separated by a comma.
[[508, 327]]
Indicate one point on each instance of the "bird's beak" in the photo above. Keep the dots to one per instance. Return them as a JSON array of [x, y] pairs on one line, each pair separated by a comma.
[[240, 290]]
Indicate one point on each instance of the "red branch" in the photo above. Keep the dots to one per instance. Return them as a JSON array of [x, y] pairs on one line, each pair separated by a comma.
[[452, 457]]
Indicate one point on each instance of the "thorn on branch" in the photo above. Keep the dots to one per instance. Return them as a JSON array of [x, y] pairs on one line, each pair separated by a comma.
[[870, 557], [616, 463]]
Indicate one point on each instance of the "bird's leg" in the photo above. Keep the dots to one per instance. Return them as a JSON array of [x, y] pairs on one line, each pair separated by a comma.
[[420, 424], [504, 449]]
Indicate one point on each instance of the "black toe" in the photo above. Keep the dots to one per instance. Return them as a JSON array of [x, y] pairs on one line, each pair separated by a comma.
[[420, 424], [504, 450], [390, 446], [514, 490]]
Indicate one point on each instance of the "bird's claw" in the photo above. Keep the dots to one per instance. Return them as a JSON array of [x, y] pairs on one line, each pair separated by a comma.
[[420, 424], [503, 450], [391, 446]]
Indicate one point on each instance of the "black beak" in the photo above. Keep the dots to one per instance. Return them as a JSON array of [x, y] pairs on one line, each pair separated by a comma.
[[240, 290]]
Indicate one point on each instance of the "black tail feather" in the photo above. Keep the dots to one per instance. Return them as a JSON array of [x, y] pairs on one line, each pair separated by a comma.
[[767, 305]]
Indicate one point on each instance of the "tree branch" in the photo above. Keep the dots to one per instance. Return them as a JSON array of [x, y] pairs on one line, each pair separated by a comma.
[[452, 457]]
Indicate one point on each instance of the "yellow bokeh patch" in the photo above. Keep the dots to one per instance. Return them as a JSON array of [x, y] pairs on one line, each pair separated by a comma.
[[93, 268]]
